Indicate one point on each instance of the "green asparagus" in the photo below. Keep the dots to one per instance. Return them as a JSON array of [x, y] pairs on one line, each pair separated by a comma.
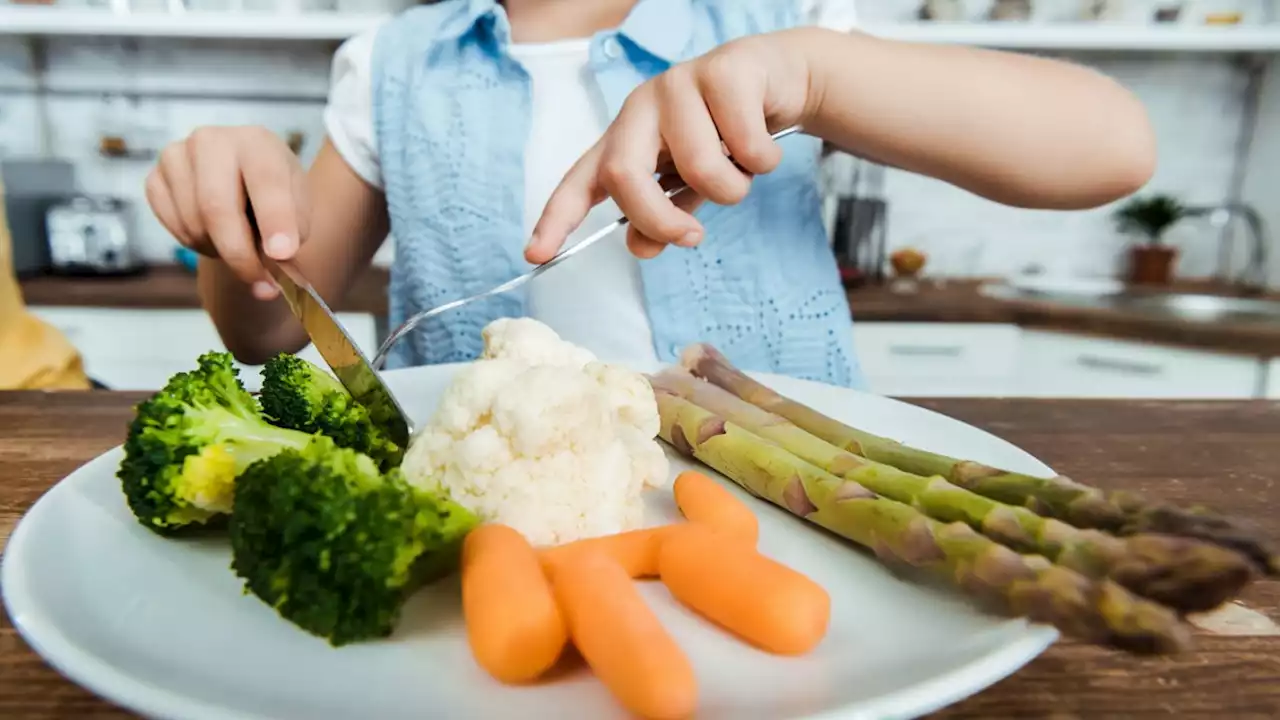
[[1097, 611], [1057, 497], [1187, 575]]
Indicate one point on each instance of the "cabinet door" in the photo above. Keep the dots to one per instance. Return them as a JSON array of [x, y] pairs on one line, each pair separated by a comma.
[[141, 349], [1064, 365], [937, 359]]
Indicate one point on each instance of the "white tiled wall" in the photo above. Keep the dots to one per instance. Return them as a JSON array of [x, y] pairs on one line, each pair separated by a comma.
[[1195, 102]]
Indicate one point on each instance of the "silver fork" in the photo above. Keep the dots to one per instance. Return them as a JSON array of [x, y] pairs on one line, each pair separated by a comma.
[[417, 319]]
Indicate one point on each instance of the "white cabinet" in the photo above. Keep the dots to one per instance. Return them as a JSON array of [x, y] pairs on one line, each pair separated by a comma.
[[996, 360], [938, 359], [1064, 365], [140, 349]]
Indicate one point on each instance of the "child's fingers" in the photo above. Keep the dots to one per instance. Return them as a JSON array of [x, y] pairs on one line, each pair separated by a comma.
[[573, 198], [643, 247], [269, 183], [160, 199], [647, 248], [736, 102], [176, 172], [694, 144], [627, 168]]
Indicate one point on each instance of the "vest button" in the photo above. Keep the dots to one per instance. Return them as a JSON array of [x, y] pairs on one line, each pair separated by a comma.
[[611, 48]]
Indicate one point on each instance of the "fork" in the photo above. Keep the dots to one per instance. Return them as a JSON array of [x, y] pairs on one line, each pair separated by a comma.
[[418, 318]]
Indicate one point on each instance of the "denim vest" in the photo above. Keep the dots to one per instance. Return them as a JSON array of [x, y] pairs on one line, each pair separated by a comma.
[[451, 119]]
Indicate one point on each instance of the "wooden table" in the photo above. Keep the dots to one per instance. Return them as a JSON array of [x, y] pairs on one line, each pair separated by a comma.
[[1222, 453]]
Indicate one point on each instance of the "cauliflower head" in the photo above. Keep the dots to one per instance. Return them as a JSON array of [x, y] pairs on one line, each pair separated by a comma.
[[540, 436]]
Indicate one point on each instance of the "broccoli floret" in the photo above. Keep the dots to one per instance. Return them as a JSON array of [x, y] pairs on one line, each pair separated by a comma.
[[298, 395], [337, 547], [189, 441]]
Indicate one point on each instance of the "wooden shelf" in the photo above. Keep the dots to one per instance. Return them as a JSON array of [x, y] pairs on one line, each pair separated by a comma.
[[1088, 37], [318, 26], [63, 22]]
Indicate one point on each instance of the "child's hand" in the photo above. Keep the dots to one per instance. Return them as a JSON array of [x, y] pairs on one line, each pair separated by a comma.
[[738, 93], [198, 192]]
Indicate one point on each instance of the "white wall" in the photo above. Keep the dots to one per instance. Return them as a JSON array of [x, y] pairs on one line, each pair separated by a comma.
[[291, 79], [1195, 102]]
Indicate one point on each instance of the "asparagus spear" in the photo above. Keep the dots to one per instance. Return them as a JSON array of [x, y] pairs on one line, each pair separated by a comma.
[[1021, 585], [1057, 497], [1187, 575]]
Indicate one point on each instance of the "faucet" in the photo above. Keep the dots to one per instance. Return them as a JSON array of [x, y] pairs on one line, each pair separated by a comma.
[[1254, 277]]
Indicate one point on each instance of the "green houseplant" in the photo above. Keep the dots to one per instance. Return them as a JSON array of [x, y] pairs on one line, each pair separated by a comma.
[[1151, 259]]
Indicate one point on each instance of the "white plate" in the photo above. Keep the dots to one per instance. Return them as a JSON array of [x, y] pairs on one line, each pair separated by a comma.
[[161, 627]]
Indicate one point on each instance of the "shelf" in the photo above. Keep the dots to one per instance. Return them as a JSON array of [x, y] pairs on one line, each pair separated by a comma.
[[1083, 37], [63, 22], [53, 22]]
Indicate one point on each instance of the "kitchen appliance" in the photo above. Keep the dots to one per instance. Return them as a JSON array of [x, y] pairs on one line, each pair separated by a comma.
[[859, 229], [29, 188], [91, 235]]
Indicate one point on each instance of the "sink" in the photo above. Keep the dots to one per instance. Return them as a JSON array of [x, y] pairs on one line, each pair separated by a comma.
[[1192, 307], [1207, 308]]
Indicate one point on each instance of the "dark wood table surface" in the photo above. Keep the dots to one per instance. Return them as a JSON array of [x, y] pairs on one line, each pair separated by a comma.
[[1226, 454]]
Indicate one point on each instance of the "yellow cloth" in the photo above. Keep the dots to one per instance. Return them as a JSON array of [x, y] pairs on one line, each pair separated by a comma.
[[33, 355]]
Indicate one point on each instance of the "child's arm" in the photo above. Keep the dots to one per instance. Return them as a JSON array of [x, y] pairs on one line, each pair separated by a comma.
[[1016, 129], [326, 220]]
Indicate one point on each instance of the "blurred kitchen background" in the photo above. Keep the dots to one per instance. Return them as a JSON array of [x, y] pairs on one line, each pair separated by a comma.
[[1172, 293]]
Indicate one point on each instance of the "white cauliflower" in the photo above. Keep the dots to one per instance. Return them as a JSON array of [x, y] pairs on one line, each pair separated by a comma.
[[532, 343], [540, 436]]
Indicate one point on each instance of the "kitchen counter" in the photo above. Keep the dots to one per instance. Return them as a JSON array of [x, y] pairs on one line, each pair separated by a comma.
[[1137, 446], [173, 288], [952, 302], [962, 302]]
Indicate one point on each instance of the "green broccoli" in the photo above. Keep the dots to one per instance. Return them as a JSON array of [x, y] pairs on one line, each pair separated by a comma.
[[337, 547], [189, 441], [298, 395]]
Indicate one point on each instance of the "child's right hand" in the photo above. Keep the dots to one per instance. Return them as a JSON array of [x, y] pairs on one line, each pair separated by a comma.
[[202, 185]]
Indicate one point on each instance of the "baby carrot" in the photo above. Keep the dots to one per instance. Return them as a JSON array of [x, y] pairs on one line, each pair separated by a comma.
[[514, 625], [703, 500], [622, 640], [636, 551], [762, 601]]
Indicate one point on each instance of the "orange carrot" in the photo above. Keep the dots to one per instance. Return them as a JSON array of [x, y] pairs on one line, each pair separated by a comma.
[[514, 624], [703, 500], [762, 601], [636, 551], [621, 639]]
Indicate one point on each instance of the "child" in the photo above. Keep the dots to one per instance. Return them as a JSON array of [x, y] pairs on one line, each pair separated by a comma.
[[450, 126], [33, 355]]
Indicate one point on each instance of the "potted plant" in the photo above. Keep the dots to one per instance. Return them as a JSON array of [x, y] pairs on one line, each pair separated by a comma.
[[1150, 260]]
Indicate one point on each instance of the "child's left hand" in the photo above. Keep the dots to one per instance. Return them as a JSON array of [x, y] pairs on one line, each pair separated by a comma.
[[738, 93]]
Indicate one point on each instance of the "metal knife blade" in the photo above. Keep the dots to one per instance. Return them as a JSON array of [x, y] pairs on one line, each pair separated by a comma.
[[344, 358]]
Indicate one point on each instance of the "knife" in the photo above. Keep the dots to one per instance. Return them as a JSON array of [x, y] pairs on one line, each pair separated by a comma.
[[334, 344]]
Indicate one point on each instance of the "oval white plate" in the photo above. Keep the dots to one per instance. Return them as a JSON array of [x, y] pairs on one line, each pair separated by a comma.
[[162, 627]]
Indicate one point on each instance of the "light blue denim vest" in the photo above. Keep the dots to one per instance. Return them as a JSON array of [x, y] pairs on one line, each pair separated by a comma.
[[451, 119]]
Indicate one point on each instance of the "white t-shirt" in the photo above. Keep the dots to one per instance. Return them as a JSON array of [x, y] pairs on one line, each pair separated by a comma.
[[597, 300]]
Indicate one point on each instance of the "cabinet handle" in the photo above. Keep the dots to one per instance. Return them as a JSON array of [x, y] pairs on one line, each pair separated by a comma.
[[927, 350], [1124, 366]]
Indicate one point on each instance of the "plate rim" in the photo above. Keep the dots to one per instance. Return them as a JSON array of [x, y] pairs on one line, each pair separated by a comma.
[[96, 675]]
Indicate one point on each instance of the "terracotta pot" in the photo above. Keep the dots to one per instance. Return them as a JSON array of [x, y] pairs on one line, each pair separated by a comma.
[[1151, 264]]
